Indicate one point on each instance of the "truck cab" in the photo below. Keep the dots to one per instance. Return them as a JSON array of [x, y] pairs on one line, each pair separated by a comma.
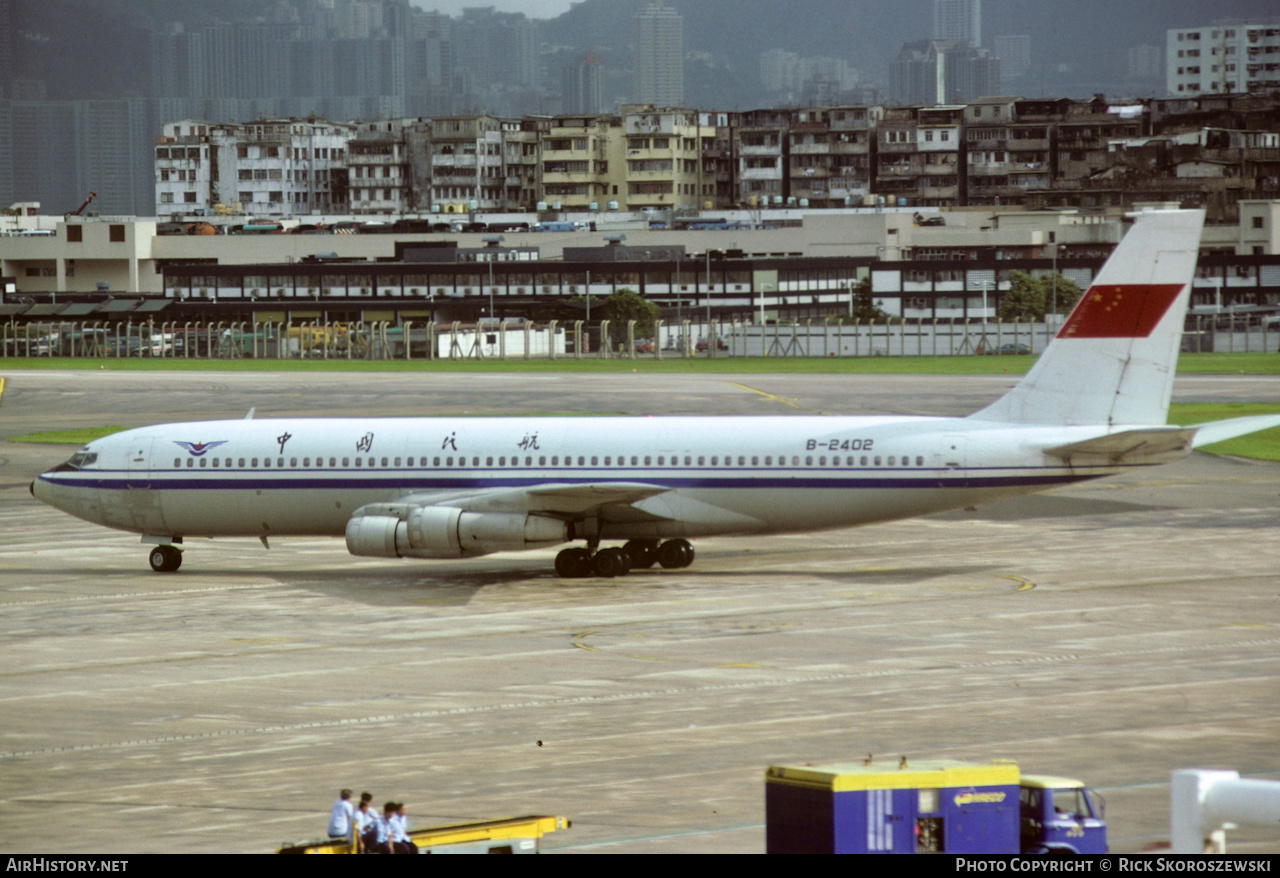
[[1060, 816]]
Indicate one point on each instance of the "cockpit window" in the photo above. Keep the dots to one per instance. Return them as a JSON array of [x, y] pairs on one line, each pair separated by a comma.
[[79, 460]]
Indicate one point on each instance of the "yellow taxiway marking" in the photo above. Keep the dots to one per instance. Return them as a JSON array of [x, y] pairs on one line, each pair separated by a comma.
[[789, 402], [1023, 584]]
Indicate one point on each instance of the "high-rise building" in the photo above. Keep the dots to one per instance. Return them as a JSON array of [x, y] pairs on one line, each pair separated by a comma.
[[938, 72], [958, 21], [1222, 59], [659, 60], [1014, 52], [583, 86], [1145, 63]]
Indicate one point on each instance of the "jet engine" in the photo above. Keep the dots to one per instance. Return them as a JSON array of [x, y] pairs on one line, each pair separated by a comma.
[[445, 532]]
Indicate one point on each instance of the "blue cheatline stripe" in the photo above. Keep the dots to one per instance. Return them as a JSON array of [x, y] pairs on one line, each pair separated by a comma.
[[403, 481]]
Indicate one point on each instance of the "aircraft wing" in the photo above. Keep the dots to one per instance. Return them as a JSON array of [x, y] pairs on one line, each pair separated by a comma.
[[608, 501]]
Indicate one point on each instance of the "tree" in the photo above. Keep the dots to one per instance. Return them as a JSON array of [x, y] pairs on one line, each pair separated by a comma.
[[625, 305], [864, 304], [1025, 299], [1067, 294]]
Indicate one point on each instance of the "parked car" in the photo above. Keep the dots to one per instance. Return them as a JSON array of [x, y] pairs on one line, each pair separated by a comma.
[[1010, 348], [703, 345]]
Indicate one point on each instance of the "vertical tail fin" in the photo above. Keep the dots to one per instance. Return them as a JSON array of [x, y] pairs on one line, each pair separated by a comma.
[[1114, 359]]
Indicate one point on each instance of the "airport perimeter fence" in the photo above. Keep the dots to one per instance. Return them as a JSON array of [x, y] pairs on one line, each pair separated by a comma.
[[572, 340]]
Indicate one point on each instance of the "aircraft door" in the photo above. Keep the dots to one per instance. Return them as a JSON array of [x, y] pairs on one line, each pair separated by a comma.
[[952, 454], [135, 506], [138, 464]]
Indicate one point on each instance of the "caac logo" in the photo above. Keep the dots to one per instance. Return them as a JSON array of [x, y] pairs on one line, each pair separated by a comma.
[[199, 449]]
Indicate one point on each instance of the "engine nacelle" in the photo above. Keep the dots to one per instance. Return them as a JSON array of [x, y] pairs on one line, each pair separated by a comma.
[[444, 532]]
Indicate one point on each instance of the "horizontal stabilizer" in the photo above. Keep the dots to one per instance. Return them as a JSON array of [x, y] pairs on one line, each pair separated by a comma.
[[1147, 445], [1221, 431]]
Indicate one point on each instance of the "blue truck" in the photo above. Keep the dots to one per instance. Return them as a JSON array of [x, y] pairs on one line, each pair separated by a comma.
[[935, 806]]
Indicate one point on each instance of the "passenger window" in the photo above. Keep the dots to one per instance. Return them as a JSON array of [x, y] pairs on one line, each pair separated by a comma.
[[608, 461], [864, 460], [919, 461], [661, 459], [215, 463], [253, 463], [688, 461], [397, 462], [893, 461], [488, 461], [384, 462], [582, 461], [293, 462], [648, 461], [635, 461], [280, 462], [359, 461], [266, 463], [715, 460], [346, 462], [702, 461], [768, 461], [177, 461], [877, 460], [808, 461], [502, 461], [822, 461], [742, 461], [542, 461], [435, 461], [240, 463], [190, 463], [594, 461], [795, 460]]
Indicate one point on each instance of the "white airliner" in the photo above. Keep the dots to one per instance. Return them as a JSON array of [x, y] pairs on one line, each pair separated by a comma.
[[1095, 404]]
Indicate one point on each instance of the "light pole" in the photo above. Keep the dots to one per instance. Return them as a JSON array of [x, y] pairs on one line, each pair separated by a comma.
[[1058, 248]]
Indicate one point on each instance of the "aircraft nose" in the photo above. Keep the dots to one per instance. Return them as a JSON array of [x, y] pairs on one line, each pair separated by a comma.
[[42, 490]]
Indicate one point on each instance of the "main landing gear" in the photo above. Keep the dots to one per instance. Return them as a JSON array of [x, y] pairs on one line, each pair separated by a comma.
[[578, 563], [165, 559]]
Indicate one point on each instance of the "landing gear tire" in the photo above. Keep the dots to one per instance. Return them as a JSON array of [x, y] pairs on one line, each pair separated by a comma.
[[644, 553], [165, 559], [612, 562], [675, 554], [573, 564]]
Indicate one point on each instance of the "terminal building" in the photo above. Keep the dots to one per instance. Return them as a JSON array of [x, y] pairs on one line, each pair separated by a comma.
[[763, 266]]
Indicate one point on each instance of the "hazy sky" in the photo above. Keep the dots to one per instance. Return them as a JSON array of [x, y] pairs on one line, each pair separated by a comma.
[[531, 8]]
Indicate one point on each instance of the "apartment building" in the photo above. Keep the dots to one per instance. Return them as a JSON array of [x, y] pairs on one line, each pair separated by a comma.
[[582, 162], [921, 156], [271, 167], [763, 152], [484, 163], [1222, 59], [386, 167], [830, 149], [662, 163]]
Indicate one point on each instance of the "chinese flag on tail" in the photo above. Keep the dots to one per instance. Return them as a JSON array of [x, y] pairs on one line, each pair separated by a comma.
[[1120, 311]]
